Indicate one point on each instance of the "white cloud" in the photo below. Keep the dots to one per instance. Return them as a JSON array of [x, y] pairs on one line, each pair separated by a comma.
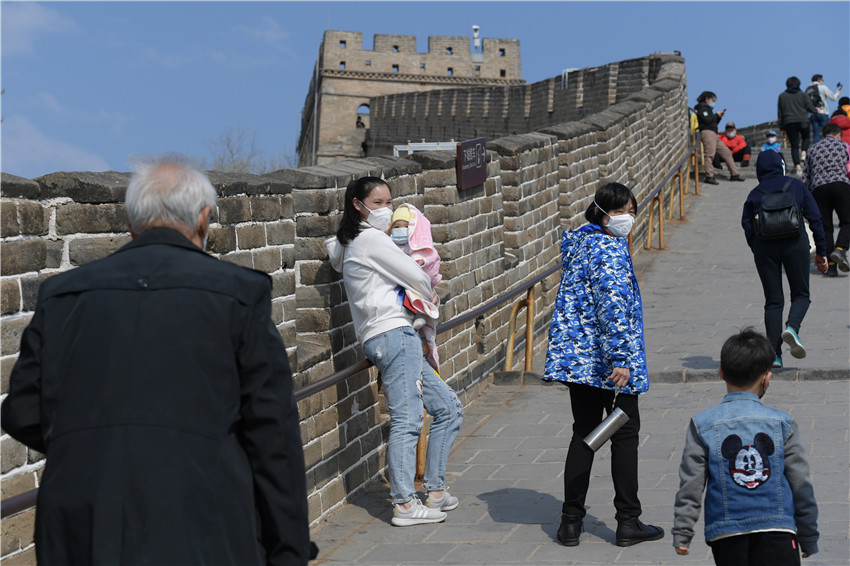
[[47, 101], [268, 32], [23, 22], [116, 120], [170, 60], [271, 34], [28, 152]]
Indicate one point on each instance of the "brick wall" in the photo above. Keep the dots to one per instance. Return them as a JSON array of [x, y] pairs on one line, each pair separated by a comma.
[[497, 111], [490, 238]]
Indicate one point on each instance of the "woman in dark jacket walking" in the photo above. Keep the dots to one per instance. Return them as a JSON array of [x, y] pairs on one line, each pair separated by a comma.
[[792, 253], [793, 109]]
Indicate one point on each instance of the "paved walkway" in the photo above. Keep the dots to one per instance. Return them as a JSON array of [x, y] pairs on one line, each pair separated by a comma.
[[507, 465]]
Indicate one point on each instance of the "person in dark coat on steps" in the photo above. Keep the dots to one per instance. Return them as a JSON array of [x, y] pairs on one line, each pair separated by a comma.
[[793, 109], [792, 254], [157, 385]]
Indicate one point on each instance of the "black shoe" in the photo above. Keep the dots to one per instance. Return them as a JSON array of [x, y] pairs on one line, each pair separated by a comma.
[[570, 530], [832, 270], [633, 531], [711, 181], [736, 178], [839, 256]]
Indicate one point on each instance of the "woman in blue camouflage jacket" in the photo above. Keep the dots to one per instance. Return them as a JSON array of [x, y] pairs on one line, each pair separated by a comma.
[[596, 348]]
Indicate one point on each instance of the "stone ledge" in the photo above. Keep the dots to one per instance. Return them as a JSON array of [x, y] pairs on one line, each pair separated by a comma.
[[19, 187], [230, 184], [85, 186]]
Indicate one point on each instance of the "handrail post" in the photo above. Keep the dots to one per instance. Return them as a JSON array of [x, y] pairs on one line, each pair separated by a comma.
[[529, 328], [648, 243], [681, 195], [696, 171], [660, 223]]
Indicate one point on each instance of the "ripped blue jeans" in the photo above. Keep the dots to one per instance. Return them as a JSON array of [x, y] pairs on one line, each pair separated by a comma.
[[411, 385]]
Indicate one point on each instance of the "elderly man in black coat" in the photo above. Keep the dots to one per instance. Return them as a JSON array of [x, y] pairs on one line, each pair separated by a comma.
[[159, 388]]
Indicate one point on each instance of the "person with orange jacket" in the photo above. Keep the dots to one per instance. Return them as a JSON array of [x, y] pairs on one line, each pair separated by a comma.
[[737, 145], [842, 121]]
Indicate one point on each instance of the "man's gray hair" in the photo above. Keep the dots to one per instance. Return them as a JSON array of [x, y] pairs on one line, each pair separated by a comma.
[[168, 189]]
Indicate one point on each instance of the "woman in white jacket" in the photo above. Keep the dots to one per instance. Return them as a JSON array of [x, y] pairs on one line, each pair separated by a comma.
[[376, 273]]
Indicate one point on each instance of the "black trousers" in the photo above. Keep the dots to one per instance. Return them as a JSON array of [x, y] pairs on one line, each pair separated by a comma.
[[770, 258], [834, 197], [795, 132], [757, 549], [588, 405]]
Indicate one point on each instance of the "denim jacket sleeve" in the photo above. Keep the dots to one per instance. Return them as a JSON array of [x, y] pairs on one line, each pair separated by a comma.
[[610, 275], [692, 480], [805, 506]]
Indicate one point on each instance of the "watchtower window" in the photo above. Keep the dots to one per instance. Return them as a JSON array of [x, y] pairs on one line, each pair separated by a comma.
[[501, 52], [342, 44], [422, 65], [395, 48], [342, 64], [368, 63], [395, 68], [448, 50], [502, 73], [477, 67], [450, 71]]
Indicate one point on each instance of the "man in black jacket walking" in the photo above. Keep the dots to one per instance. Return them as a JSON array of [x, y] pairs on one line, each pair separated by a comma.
[[158, 386], [793, 108]]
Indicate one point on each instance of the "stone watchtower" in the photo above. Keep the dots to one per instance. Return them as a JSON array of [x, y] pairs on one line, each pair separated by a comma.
[[336, 111]]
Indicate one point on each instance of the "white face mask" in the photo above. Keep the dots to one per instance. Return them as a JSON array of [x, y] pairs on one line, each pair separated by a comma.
[[620, 224], [379, 218], [771, 139], [730, 135], [399, 236]]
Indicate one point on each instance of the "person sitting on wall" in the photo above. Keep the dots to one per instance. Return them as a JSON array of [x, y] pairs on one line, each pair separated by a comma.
[[737, 145], [708, 120]]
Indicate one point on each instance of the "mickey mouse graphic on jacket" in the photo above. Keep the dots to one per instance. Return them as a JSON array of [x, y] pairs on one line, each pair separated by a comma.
[[749, 465]]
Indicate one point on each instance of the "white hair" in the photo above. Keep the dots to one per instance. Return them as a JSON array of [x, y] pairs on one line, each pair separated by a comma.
[[168, 189]]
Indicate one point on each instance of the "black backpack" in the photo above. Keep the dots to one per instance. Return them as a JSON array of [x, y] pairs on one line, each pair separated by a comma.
[[814, 95], [778, 217]]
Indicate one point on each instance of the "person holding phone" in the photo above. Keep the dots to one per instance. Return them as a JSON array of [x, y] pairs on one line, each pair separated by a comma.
[[708, 120]]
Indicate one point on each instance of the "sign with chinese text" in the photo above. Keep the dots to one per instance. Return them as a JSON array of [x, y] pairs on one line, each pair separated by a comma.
[[471, 163]]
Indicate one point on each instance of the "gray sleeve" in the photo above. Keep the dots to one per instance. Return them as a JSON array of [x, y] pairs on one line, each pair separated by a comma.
[[805, 506], [828, 92], [692, 479]]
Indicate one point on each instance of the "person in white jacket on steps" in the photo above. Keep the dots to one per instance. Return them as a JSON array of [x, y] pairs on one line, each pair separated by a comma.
[[373, 270]]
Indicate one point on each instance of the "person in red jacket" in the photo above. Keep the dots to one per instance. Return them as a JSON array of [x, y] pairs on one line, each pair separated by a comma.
[[842, 121], [737, 145]]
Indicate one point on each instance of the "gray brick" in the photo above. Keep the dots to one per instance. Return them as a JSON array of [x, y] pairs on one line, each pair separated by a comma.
[[22, 256]]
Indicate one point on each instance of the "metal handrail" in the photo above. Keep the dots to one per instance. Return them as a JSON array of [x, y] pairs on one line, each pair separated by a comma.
[[24, 501]]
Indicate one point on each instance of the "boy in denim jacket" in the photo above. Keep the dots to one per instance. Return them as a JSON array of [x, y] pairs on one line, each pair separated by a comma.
[[759, 503]]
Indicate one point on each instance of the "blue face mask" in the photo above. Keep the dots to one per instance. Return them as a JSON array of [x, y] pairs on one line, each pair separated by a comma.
[[711, 105], [399, 236]]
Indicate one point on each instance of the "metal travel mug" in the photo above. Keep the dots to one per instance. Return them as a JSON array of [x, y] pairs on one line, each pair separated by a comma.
[[606, 429]]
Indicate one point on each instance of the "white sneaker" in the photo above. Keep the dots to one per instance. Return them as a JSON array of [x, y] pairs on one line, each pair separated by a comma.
[[416, 514], [445, 503]]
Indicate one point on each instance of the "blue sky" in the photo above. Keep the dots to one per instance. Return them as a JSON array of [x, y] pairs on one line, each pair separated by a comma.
[[88, 84]]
